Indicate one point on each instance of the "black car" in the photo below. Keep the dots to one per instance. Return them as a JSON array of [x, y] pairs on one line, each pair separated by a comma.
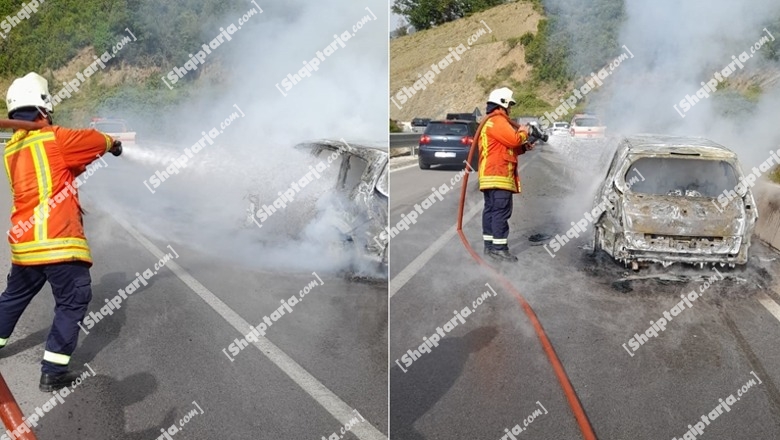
[[419, 124], [461, 117], [447, 143]]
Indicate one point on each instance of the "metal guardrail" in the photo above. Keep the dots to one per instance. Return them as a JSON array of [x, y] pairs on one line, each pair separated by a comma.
[[4, 136], [400, 140]]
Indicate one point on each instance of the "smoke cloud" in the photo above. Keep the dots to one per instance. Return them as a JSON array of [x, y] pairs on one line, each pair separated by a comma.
[[205, 205], [676, 47]]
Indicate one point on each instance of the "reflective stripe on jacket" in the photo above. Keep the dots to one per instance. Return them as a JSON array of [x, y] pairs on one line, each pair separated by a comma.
[[41, 165], [499, 145]]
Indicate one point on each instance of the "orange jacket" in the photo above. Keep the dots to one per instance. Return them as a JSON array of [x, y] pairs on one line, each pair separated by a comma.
[[46, 224], [499, 145]]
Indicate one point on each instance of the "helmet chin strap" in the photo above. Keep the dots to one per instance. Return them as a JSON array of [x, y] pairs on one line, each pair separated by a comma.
[[43, 112]]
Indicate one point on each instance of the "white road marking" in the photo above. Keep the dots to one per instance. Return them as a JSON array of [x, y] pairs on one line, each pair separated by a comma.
[[411, 270], [405, 168], [403, 277], [769, 304], [313, 387]]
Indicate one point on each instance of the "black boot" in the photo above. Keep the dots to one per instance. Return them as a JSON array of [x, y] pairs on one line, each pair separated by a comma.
[[52, 382], [502, 255]]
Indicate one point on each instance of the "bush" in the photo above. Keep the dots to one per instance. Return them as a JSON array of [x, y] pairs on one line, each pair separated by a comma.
[[527, 38], [774, 175], [549, 60]]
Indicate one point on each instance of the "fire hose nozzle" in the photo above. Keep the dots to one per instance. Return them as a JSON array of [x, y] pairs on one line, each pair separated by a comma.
[[535, 134], [116, 148]]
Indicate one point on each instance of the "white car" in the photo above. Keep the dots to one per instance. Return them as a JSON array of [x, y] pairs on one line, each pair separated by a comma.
[[116, 128], [559, 129], [587, 127]]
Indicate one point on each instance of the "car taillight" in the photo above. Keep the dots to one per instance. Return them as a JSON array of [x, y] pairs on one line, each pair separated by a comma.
[[425, 139], [466, 140]]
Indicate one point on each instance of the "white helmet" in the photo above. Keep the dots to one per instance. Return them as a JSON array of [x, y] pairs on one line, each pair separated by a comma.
[[32, 90], [502, 97]]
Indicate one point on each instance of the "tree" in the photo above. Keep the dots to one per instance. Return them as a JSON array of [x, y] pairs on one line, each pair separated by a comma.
[[403, 28], [424, 14]]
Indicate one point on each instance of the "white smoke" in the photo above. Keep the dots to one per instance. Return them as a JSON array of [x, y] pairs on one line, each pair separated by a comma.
[[205, 204], [676, 47]]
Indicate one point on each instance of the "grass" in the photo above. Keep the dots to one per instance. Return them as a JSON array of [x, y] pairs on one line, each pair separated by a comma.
[[753, 93], [774, 175], [501, 76], [526, 93]]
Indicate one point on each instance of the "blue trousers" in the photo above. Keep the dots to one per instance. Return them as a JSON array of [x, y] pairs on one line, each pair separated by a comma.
[[70, 284], [495, 218]]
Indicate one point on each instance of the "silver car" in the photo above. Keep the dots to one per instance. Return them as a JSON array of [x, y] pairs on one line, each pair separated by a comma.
[[362, 179], [671, 199]]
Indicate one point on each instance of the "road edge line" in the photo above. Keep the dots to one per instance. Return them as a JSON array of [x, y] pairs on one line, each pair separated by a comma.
[[308, 383]]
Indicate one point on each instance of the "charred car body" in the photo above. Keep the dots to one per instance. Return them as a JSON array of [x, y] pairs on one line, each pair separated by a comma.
[[660, 203], [362, 183]]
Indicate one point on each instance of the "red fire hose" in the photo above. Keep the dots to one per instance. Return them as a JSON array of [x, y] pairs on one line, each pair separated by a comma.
[[21, 125], [10, 412], [571, 396]]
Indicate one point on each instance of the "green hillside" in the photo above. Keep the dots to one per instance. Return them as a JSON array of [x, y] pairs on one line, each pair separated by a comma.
[[541, 65], [60, 39]]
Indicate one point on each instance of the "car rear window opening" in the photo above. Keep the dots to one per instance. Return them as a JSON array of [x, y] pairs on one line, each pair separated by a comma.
[[680, 176]]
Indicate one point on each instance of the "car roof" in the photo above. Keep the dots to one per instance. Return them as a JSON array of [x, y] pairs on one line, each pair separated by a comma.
[[452, 121], [657, 144], [368, 150]]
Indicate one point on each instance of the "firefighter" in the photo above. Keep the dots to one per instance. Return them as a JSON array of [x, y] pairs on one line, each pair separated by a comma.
[[47, 234], [500, 142]]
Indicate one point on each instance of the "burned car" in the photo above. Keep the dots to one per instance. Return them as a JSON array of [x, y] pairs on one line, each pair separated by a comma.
[[664, 200], [355, 202]]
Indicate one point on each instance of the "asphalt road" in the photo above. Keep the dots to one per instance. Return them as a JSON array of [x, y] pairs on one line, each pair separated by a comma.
[[166, 352], [490, 373]]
